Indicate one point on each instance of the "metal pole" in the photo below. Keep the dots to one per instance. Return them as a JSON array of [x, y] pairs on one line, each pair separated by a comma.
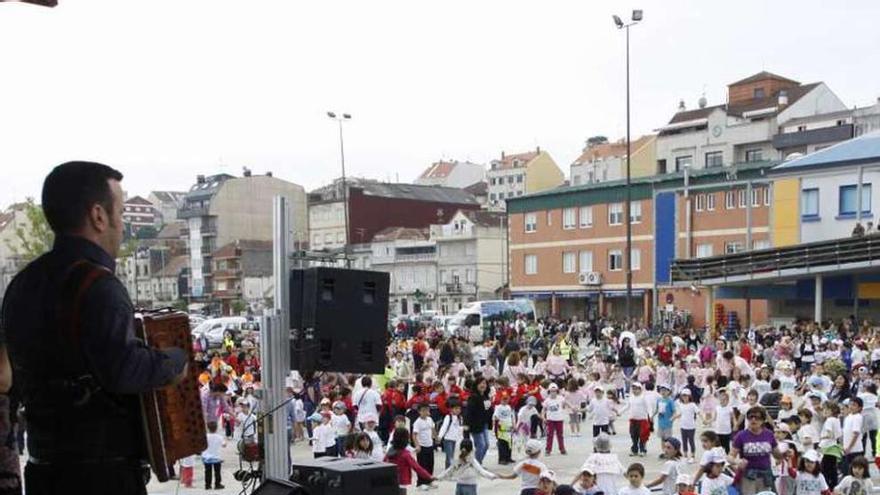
[[628, 193], [275, 337], [749, 192], [344, 194]]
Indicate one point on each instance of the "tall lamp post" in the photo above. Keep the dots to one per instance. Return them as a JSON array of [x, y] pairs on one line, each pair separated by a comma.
[[340, 119], [636, 18]]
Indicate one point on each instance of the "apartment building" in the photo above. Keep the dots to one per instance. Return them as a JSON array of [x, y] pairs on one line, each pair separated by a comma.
[[243, 275], [566, 246], [471, 259], [452, 173], [523, 173], [409, 255], [220, 209], [138, 213], [603, 162], [741, 130]]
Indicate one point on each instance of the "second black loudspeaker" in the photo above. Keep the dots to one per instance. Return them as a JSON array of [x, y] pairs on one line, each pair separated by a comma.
[[339, 319]]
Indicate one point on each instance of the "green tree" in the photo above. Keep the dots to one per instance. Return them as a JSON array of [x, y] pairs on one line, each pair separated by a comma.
[[238, 306], [33, 238], [179, 305], [147, 233]]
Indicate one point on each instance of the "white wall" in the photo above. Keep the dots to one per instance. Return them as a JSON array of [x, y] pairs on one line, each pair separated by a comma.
[[828, 182]]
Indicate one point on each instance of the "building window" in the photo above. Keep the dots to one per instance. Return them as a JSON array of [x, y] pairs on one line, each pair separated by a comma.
[[635, 212], [760, 244], [531, 222], [586, 261], [519, 178], [569, 262], [615, 260], [755, 155], [849, 199], [491, 196], [576, 180], [531, 264], [729, 200], [758, 93], [519, 193], [714, 159], [340, 237], [510, 179], [767, 196], [742, 198], [700, 202], [469, 276], [710, 202], [756, 197], [549, 217], [802, 128], [810, 203], [635, 259], [704, 250], [615, 213], [569, 218], [586, 217], [733, 247], [683, 161]]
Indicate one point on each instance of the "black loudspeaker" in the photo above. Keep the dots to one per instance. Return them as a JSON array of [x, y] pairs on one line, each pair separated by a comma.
[[280, 487], [341, 476], [339, 319]]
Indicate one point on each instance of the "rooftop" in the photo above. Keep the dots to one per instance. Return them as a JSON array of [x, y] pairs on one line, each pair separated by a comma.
[[485, 218], [863, 149], [231, 250], [610, 150], [173, 267], [401, 234], [442, 169], [207, 186], [137, 200], [478, 188], [515, 160], [169, 196], [436, 194], [763, 75]]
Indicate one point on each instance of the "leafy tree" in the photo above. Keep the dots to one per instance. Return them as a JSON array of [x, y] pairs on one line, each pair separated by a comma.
[[238, 306], [147, 233], [33, 238], [595, 140], [179, 305]]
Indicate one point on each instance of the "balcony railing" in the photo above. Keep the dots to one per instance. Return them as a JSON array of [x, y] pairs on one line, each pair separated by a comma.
[[803, 258], [458, 288], [190, 212], [227, 274], [416, 257], [227, 293], [813, 136]]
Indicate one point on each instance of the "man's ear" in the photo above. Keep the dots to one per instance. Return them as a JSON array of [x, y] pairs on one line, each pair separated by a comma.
[[96, 218]]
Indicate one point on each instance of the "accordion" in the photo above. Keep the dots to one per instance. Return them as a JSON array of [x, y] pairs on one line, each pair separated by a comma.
[[173, 421]]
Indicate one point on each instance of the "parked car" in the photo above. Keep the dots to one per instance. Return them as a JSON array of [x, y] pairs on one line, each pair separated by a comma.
[[215, 329]]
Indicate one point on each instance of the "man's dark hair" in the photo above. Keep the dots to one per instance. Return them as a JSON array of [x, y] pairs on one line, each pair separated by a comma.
[[775, 384], [70, 191]]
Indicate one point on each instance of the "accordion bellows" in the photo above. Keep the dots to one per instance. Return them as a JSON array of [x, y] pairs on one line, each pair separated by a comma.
[[174, 424]]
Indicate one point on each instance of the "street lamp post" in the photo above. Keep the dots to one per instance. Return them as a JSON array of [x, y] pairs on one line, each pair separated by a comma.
[[636, 18], [340, 119]]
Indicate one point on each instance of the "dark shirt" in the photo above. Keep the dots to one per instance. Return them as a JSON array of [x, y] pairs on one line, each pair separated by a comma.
[[478, 412], [45, 362]]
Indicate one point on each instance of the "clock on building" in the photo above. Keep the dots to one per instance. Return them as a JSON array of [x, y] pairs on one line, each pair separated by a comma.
[[717, 130]]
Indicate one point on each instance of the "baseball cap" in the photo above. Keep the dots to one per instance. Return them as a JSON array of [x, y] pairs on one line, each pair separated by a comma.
[[783, 427], [588, 467], [548, 475], [534, 446], [716, 457], [685, 391], [683, 479], [532, 401], [553, 386], [812, 456]]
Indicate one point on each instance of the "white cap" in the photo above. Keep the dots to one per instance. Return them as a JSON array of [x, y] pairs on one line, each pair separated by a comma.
[[534, 446], [716, 457], [684, 479], [685, 391], [812, 456], [548, 475], [553, 386], [780, 426], [588, 467]]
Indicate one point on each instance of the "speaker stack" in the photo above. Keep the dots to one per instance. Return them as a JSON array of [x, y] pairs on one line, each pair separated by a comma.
[[339, 320], [340, 476]]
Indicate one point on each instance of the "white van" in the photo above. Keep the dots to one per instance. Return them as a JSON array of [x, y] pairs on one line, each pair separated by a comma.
[[475, 320], [215, 328]]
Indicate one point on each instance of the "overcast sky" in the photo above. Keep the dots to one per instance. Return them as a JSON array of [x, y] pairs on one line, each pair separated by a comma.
[[167, 89]]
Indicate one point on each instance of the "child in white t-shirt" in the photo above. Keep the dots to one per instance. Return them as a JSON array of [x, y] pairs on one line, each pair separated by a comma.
[[687, 413], [715, 482], [528, 470]]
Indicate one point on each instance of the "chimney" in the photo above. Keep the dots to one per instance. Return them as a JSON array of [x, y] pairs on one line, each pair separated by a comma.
[[200, 179], [502, 154], [681, 107], [783, 98], [702, 101], [246, 171], [538, 148], [269, 173]]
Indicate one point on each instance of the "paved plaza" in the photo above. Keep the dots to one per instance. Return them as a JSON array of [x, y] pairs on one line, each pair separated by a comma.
[[566, 466]]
